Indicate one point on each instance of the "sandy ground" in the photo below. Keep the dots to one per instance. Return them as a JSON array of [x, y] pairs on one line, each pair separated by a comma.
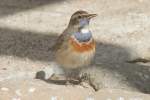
[[28, 28]]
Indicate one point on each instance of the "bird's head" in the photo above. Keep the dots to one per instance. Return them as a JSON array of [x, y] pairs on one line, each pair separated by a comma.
[[80, 19]]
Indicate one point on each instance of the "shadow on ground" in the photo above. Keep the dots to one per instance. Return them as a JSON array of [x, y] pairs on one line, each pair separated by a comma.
[[113, 59], [9, 7], [26, 44]]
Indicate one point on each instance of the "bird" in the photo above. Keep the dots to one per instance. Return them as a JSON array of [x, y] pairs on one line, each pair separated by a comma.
[[75, 47]]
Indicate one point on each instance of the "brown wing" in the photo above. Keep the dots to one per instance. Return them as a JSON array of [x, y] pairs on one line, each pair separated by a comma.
[[60, 41]]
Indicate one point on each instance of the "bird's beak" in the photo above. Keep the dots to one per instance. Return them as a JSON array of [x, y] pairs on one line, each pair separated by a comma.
[[89, 16]]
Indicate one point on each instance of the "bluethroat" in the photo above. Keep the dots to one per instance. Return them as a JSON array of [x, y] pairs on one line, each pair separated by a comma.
[[75, 47]]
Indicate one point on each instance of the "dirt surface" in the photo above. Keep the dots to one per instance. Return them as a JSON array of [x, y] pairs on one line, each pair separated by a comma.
[[28, 28]]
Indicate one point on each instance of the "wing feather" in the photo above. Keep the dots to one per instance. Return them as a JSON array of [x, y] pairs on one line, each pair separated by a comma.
[[60, 42]]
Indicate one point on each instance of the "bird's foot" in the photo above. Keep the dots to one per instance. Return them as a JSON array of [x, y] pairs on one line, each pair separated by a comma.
[[72, 81], [87, 81]]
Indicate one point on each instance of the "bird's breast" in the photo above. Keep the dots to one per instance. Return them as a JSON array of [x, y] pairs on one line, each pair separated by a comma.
[[76, 54], [82, 46]]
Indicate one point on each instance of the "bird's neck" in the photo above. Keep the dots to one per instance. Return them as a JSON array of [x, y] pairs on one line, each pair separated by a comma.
[[83, 34]]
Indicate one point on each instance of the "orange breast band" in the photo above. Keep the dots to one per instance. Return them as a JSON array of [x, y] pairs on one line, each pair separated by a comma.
[[82, 47]]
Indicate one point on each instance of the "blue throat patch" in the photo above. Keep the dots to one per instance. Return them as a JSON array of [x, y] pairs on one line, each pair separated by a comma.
[[84, 22], [83, 37]]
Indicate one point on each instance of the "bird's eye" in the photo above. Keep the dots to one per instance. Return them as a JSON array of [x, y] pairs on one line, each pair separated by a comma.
[[79, 16]]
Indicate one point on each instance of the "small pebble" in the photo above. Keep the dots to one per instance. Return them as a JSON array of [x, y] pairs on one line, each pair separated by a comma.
[[89, 98], [54, 98], [31, 90], [16, 98], [146, 76], [140, 1], [4, 89], [4, 68], [121, 98]]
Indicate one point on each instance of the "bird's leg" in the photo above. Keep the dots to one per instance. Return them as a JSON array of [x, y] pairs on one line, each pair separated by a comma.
[[72, 77], [87, 81], [84, 80], [68, 81]]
